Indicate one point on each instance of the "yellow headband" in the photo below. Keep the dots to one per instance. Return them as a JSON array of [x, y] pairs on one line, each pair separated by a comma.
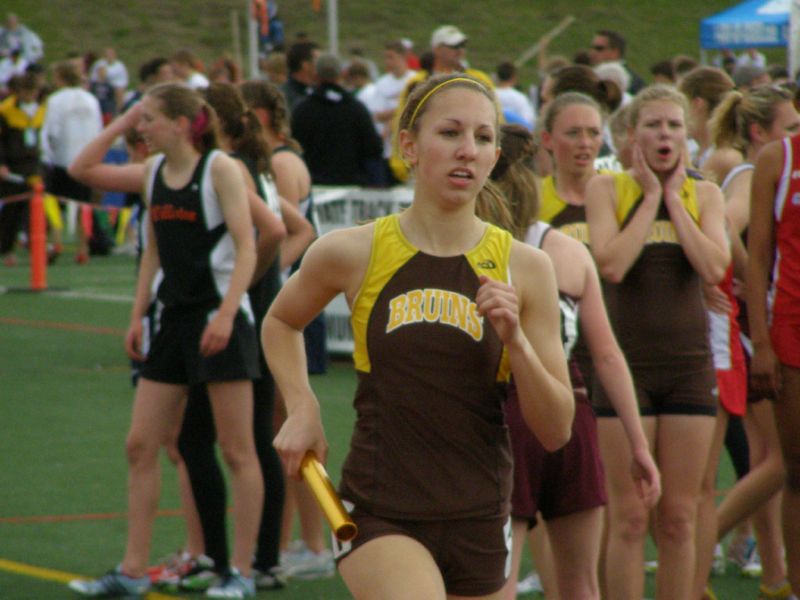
[[435, 89]]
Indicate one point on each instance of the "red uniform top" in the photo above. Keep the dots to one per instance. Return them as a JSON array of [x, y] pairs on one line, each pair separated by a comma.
[[726, 348], [785, 292]]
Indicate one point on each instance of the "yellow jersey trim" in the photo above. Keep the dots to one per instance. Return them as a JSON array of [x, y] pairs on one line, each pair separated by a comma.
[[552, 203], [629, 192]]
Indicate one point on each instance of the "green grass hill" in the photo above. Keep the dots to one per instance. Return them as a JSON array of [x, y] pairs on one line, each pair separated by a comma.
[[498, 29]]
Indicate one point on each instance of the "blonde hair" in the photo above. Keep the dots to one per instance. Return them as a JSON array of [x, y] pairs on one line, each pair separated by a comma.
[[418, 99], [268, 96], [619, 121], [730, 122], [709, 83], [654, 93], [492, 206], [515, 177], [564, 100]]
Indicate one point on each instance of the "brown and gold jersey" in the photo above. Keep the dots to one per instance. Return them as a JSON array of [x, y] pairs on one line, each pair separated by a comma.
[[657, 310], [569, 219], [430, 440], [560, 214]]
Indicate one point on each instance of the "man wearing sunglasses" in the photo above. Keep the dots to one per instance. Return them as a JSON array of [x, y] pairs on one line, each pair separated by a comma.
[[609, 46]]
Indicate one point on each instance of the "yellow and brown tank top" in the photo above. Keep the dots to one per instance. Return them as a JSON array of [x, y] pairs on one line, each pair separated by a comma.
[[657, 310], [560, 214], [569, 219], [430, 441]]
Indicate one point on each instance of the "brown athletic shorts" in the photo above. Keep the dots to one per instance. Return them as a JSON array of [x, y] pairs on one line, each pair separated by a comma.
[[473, 555], [677, 389], [559, 483]]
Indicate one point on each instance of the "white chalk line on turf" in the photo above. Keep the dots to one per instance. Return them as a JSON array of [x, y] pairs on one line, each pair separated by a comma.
[[99, 296], [19, 568], [75, 295]]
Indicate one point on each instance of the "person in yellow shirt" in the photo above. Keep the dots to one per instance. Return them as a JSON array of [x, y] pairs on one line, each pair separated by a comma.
[[449, 48]]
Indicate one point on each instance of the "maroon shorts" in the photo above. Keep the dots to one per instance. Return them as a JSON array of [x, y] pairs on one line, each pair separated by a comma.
[[473, 555], [559, 483]]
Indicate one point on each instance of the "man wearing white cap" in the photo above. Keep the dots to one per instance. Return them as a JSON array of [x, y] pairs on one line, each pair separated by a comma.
[[449, 47]]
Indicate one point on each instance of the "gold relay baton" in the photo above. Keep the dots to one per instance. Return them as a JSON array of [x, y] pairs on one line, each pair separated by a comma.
[[317, 479]]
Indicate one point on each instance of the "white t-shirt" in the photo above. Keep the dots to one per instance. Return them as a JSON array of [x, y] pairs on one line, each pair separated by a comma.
[[197, 81], [72, 120], [516, 102], [9, 68], [755, 60], [116, 73], [386, 96]]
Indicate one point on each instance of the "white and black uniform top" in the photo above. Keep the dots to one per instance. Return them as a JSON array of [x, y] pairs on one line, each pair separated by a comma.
[[567, 304], [196, 250]]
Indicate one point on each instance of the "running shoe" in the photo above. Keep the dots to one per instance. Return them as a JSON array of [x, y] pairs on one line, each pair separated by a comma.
[[199, 578], [170, 562], [193, 573], [753, 566], [293, 552], [233, 585], [720, 564], [271, 579], [114, 584], [708, 594], [309, 565], [530, 584], [740, 551], [53, 252], [782, 592]]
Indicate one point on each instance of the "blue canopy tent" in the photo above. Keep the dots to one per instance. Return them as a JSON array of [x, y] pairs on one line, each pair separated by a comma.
[[755, 23]]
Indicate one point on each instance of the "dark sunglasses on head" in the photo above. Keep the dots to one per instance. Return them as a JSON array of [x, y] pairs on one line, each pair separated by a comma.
[[458, 46], [599, 48]]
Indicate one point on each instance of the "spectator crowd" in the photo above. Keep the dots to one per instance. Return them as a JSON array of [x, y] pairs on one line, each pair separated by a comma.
[[661, 199]]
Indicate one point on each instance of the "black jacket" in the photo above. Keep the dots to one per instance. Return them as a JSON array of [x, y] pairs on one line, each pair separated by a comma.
[[339, 140]]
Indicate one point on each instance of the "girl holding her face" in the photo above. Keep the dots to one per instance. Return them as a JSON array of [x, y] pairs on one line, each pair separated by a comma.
[[657, 234]]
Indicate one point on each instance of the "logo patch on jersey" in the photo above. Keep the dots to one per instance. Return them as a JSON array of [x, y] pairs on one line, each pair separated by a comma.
[[795, 174], [796, 199], [577, 231], [168, 212], [662, 232], [487, 264], [435, 306]]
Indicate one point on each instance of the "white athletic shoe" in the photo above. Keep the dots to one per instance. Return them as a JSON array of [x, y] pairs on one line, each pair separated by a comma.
[[301, 563], [720, 562], [530, 584]]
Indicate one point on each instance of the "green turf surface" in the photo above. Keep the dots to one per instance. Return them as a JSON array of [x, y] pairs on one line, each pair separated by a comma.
[[65, 397]]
